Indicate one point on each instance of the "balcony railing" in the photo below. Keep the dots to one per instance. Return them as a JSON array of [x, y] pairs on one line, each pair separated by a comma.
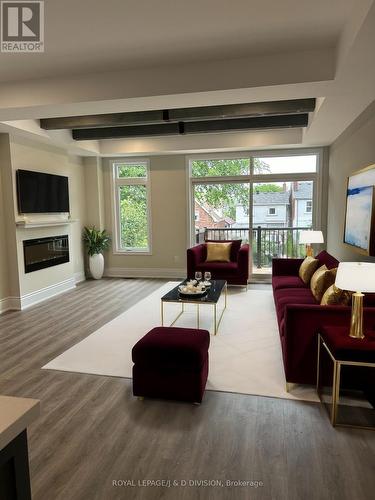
[[267, 242]]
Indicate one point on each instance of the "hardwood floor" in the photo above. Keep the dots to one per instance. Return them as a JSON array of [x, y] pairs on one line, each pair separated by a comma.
[[92, 431]]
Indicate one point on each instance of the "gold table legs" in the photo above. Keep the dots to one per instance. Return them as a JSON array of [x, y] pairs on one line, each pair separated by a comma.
[[337, 364], [216, 322]]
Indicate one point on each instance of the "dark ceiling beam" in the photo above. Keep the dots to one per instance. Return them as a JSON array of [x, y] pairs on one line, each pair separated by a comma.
[[84, 134], [243, 110], [254, 109], [208, 126], [105, 120]]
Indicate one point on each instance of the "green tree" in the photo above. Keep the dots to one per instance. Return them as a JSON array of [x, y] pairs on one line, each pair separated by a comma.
[[132, 171], [133, 212], [267, 188], [225, 197]]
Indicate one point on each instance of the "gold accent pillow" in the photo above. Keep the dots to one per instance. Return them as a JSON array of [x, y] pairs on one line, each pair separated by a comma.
[[218, 252], [307, 269], [334, 296], [322, 279]]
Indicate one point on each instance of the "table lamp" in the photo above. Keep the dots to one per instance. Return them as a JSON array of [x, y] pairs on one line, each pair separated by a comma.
[[357, 277], [309, 237]]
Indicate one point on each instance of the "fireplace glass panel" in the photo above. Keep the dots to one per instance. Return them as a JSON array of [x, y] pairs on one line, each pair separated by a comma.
[[45, 252]]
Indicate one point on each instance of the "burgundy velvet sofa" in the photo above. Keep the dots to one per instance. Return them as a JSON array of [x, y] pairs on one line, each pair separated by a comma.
[[300, 317], [235, 272]]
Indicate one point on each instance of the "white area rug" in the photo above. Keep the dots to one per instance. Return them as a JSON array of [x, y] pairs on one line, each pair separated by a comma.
[[245, 355]]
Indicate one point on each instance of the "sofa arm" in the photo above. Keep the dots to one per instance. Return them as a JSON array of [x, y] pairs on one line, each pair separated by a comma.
[[300, 332], [285, 267], [243, 259], [194, 255]]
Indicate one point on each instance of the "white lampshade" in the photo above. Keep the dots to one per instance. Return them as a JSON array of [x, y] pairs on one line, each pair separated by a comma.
[[356, 276], [309, 237]]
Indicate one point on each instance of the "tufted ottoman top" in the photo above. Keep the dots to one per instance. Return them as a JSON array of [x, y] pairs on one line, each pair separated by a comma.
[[171, 347]]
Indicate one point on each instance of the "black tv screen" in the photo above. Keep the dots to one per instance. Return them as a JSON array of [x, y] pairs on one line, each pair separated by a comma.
[[41, 193]]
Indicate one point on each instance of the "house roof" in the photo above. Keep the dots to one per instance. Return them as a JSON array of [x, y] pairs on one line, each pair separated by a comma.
[[212, 213], [272, 198], [304, 191]]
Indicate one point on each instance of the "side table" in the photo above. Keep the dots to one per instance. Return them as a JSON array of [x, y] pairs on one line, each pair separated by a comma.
[[343, 351]]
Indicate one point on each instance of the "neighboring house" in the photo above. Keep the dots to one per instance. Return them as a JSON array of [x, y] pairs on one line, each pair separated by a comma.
[[270, 210], [206, 217], [302, 195]]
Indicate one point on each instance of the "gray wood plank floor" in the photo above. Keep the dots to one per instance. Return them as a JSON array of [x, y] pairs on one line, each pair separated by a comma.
[[92, 431]]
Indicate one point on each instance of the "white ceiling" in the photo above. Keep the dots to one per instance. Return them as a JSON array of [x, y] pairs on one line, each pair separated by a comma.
[[126, 55], [95, 35]]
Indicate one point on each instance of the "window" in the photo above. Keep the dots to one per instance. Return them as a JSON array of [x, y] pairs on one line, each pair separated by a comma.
[[131, 181], [196, 216], [219, 168], [224, 213], [265, 198], [285, 164]]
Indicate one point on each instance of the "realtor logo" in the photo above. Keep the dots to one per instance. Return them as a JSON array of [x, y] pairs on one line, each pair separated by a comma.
[[22, 26]]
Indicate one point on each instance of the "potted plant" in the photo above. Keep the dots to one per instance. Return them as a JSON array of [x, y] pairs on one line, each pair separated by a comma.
[[96, 241]]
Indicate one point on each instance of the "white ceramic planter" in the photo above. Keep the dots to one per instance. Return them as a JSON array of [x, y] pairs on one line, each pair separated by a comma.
[[96, 265]]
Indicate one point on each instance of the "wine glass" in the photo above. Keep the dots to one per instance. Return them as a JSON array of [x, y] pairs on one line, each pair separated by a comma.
[[207, 276], [198, 276]]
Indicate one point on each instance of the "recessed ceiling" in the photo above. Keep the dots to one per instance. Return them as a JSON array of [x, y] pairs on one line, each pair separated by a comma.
[[97, 36], [193, 54]]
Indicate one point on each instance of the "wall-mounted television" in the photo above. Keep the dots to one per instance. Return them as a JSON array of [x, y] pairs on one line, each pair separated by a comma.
[[359, 230], [38, 192]]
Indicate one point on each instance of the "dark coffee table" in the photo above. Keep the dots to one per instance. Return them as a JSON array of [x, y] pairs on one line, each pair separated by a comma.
[[212, 298]]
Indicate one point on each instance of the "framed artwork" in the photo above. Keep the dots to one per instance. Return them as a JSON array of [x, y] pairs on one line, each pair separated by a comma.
[[359, 230]]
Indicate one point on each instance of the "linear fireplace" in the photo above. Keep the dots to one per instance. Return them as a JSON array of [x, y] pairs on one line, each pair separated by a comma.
[[45, 252]]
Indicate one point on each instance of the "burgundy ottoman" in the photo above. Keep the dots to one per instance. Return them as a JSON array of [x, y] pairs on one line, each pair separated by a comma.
[[171, 363]]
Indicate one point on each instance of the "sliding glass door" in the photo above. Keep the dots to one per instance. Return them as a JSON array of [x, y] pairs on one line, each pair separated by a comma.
[[265, 200], [221, 211]]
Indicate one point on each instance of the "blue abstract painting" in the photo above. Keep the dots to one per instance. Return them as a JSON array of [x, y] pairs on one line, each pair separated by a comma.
[[359, 216]]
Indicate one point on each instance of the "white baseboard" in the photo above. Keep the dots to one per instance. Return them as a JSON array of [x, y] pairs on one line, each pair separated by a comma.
[[9, 304], [79, 277], [153, 272], [30, 299], [38, 296]]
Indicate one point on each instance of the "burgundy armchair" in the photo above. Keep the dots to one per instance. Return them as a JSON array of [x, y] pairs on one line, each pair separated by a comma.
[[235, 272]]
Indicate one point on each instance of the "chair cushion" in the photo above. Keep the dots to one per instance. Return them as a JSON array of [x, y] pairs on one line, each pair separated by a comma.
[[218, 268], [293, 292], [283, 298], [170, 347], [235, 248], [327, 259], [279, 282]]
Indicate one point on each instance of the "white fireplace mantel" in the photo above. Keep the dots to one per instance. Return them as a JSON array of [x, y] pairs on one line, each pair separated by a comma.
[[50, 223]]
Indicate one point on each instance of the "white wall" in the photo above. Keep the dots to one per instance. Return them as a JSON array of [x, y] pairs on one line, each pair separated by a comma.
[[4, 285], [24, 289], [355, 149], [169, 221], [28, 156]]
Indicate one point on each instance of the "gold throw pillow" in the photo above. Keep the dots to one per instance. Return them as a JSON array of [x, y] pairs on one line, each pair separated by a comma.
[[322, 279], [218, 252], [334, 296], [307, 269]]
